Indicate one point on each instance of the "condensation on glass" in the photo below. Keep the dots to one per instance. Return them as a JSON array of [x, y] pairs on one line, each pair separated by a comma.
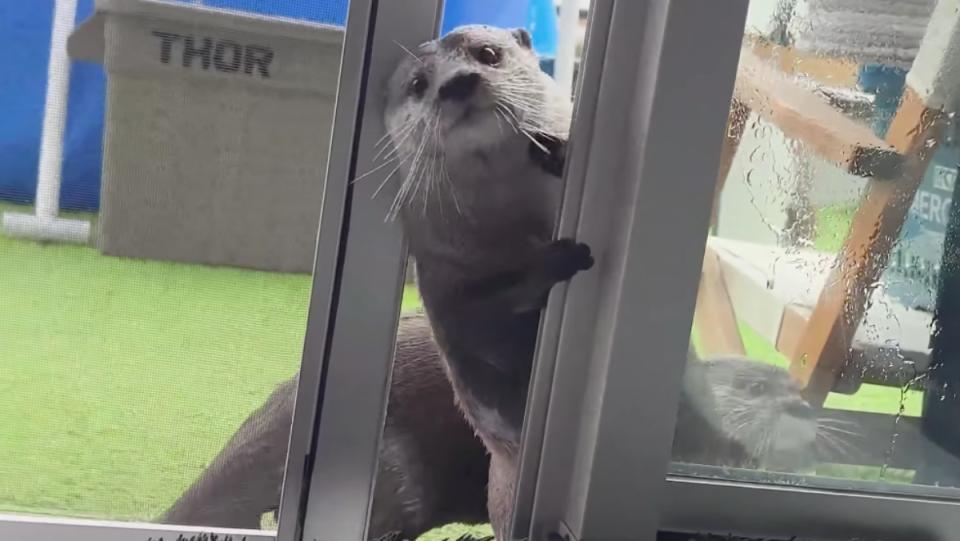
[[821, 352]]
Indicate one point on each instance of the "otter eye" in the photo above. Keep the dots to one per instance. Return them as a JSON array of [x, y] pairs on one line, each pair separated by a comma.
[[418, 85], [487, 55]]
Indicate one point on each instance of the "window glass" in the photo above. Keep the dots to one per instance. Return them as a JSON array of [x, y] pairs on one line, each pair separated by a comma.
[[822, 352], [161, 191]]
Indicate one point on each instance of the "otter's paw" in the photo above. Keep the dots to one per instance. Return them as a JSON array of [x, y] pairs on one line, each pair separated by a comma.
[[549, 153], [566, 257], [468, 537]]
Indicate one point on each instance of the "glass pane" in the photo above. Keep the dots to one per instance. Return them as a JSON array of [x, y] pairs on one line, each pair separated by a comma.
[[832, 252], [499, 80], [153, 323]]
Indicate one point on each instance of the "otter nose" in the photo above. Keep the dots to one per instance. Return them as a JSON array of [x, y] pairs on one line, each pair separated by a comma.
[[460, 87], [801, 409]]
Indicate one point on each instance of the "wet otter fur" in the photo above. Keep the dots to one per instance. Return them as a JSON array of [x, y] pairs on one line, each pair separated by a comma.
[[432, 471]]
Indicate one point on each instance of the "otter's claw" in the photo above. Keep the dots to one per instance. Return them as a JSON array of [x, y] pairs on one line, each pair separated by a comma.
[[565, 257], [549, 153]]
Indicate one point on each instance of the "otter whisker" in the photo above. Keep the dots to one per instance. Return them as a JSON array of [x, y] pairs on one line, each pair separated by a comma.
[[826, 442], [387, 136], [409, 52], [526, 101], [833, 422], [438, 163], [451, 187], [412, 184], [835, 430], [390, 175], [505, 106], [392, 155], [768, 442], [372, 171], [391, 135], [521, 128], [502, 113], [499, 117], [398, 141], [533, 140], [827, 428], [410, 180], [388, 151], [523, 103], [430, 179]]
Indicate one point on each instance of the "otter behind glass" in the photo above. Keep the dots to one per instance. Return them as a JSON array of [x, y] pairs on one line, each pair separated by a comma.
[[475, 127]]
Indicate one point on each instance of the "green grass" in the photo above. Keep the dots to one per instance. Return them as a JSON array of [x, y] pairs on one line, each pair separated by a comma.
[[120, 378], [833, 223]]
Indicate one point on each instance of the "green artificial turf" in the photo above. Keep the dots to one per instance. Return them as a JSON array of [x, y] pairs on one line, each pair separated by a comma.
[[832, 225], [120, 379]]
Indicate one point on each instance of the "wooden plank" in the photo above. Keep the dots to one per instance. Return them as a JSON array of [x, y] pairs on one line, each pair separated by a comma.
[[825, 346], [825, 70], [797, 111], [792, 326], [774, 290], [888, 360], [933, 84], [736, 123], [714, 320], [753, 304]]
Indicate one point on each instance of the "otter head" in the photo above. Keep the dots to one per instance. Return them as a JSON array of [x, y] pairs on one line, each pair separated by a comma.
[[475, 92], [760, 407]]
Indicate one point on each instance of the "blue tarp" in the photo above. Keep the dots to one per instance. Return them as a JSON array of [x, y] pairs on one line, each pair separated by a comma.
[[25, 38]]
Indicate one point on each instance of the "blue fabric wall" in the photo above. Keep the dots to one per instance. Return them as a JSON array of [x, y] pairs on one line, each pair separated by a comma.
[[25, 39]]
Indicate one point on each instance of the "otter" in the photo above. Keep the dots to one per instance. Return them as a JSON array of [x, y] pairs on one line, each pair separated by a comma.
[[432, 469], [736, 412], [462, 114]]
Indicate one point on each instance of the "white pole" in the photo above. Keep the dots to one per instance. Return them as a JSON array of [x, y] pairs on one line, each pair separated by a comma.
[[44, 224], [567, 32], [55, 111]]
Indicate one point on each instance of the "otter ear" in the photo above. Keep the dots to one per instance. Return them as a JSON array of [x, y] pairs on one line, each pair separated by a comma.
[[523, 38]]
